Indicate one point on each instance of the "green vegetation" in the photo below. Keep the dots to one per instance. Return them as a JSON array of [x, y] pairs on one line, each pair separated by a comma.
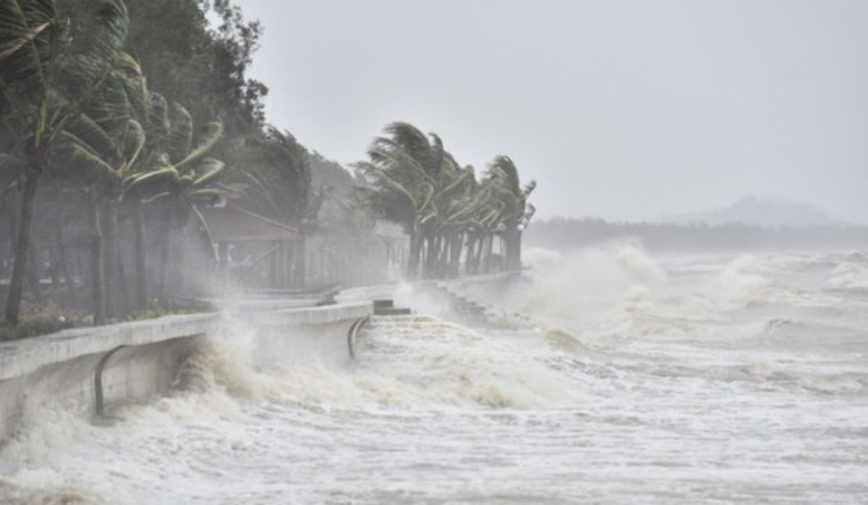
[[42, 321], [123, 123]]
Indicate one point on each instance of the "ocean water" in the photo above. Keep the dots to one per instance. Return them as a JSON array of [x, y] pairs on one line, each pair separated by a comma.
[[628, 379]]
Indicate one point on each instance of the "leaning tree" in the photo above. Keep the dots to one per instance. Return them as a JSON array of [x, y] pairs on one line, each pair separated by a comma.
[[45, 74], [101, 145], [404, 175], [517, 212], [181, 179]]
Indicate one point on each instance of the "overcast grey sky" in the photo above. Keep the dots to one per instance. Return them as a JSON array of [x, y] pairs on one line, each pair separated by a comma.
[[619, 109]]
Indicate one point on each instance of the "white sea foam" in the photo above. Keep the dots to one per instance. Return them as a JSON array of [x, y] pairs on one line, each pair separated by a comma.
[[714, 379], [851, 274]]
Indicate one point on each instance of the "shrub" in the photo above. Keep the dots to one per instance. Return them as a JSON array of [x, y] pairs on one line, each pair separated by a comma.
[[43, 320]]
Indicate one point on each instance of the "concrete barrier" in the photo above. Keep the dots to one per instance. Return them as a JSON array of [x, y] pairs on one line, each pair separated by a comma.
[[93, 370], [132, 374], [321, 335]]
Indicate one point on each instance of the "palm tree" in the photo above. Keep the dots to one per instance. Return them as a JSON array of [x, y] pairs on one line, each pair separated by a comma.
[[154, 117], [118, 139], [181, 178], [404, 177], [483, 225], [458, 204], [102, 145], [403, 198], [44, 76], [150, 110], [517, 212]]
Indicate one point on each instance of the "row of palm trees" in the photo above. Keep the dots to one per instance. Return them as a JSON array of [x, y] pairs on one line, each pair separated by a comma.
[[449, 214], [79, 121], [76, 109]]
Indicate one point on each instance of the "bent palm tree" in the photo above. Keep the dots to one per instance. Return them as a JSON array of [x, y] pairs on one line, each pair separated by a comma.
[[404, 176], [517, 212], [101, 145], [182, 178], [44, 76]]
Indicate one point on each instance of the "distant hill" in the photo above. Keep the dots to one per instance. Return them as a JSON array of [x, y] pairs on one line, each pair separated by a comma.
[[566, 235], [766, 212]]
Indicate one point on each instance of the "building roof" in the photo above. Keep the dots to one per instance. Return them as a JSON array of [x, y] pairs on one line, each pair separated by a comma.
[[233, 224]]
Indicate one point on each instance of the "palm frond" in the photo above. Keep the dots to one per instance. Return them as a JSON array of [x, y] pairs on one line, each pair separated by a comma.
[[93, 50], [91, 167], [210, 172], [84, 130], [141, 185], [29, 36], [210, 135], [179, 136], [132, 143]]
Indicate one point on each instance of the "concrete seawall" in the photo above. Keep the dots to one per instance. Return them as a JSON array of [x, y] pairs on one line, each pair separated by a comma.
[[92, 370]]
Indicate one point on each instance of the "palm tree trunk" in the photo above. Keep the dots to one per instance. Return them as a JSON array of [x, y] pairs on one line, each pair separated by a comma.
[[423, 257], [413, 259], [477, 253], [489, 251], [447, 255], [445, 248], [110, 255], [22, 251], [123, 286], [470, 253], [61, 255], [455, 254], [507, 249], [32, 271], [165, 259], [34, 274], [512, 253], [167, 245], [54, 251], [437, 258], [432, 255], [141, 258], [443, 256], [97, 265], [475, 248], [12, 228], [517, 245], [479, 263]]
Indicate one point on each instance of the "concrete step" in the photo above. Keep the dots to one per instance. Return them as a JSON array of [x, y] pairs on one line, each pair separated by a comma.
[[383, 304], [394, 311]]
